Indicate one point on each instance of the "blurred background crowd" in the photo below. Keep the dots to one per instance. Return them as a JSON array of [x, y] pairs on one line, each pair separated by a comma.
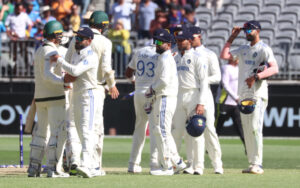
[[132, 23]]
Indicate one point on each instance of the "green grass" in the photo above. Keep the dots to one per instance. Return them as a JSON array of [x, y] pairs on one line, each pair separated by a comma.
[[281, 165]]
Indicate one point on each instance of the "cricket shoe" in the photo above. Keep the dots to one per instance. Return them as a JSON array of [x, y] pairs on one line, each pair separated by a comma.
[[163, 172], [55, 174], [198, 171], [73, 171], [188, 170], [84, 172], [256, 169], [33, 172], [219, 171], [179, 166], [97, 172], [247, 170], [135, 169]]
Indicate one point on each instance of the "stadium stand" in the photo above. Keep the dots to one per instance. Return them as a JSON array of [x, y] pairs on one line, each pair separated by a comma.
[[280, 30]]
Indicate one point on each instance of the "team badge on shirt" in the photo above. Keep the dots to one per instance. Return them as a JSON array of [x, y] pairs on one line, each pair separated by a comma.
[[255, 54], [188, 61]]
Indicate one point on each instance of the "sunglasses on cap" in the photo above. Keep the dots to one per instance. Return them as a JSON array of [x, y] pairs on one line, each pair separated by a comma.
[[158, 42], [80, 38]]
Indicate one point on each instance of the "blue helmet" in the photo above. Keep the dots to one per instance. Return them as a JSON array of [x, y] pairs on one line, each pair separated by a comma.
[[196, 125], [247, 106]]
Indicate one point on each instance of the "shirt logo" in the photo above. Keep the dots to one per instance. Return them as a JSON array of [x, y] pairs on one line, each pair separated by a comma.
[[249, 62], [255, 54], [188, 61], [85, 62]]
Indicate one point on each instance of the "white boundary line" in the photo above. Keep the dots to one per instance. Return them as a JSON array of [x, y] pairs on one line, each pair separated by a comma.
[[129, 136]]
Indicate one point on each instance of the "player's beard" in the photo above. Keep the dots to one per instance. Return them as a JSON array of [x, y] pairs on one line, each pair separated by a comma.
[[160, 50], [250, 38], [79, 46]]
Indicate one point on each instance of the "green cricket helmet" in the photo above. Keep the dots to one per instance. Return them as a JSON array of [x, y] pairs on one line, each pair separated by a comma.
[[52, 29], [99, 19]]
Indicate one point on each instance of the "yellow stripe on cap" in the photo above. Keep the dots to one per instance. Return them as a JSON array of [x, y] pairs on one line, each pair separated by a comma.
[[105, 22]]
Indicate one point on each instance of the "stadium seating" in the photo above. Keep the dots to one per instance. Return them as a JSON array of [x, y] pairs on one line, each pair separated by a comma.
[[280, 21]]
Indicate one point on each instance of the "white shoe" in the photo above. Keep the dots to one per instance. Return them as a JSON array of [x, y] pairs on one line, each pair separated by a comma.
[[179, 166], [256, 169], [198, 171], [134, 169], [55, 174], [189, 170], [162, 172], [97, 172], [219, 171], [84, 172]]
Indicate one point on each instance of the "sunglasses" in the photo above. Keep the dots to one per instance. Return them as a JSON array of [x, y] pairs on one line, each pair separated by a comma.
[[247, 31], [158, 42], [80, 38]]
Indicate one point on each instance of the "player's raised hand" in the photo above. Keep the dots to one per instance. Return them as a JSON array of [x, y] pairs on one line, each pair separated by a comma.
[[235, 31]]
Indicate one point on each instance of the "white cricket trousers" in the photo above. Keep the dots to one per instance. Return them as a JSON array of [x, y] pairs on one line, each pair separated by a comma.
[[212, 143], [253, 132], [160, 120], [84, 115], [185, 109], [99, 127], [50, 113], [139, 135]]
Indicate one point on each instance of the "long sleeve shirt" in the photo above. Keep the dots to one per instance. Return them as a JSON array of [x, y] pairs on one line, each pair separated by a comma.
[[214, 73], [84, 66], [165, 81], [192, 73], [48, 79], [250, 57]]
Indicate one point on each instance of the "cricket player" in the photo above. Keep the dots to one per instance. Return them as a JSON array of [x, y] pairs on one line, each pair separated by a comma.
[[163, 94], [102, 46], [252, 85], [192, 94], [49, 98], [84, 66], [143, 64], [212, 143]]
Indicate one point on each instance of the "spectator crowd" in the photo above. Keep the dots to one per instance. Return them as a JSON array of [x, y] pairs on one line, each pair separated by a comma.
[[22, 20]]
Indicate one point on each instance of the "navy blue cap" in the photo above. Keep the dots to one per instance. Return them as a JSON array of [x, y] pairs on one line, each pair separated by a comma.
[[184, 34], [163, 35], [195, 30], [85, 32], [179, 27], [252, 24]]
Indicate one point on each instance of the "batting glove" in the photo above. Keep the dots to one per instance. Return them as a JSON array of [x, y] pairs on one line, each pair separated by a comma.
[[149, 93]]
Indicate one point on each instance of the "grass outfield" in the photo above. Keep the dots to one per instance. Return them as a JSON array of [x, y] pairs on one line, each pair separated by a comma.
[[281, 165]]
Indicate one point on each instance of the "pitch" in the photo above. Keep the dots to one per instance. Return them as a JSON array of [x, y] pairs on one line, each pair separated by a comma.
[[281, 165]]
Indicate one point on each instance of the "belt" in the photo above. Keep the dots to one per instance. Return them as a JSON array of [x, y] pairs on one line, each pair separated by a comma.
[[50, 98]]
